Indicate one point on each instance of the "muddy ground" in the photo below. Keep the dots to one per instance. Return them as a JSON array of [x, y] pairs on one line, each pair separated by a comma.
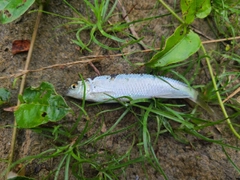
[[200, 160]]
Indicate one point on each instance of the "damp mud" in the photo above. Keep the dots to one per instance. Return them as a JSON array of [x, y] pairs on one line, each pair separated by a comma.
[[195, 160]]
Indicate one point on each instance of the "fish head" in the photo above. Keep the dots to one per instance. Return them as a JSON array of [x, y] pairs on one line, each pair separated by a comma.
[[76, 90]]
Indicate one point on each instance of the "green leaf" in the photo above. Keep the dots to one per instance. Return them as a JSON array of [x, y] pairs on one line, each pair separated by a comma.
[[188, 8], [4, 95], [195, 8], [12, 9], [108, 35], [179, 46], [203, 8], [39, 106], [20, 178]]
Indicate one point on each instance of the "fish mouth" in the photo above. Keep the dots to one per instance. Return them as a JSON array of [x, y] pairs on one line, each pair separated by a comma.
[[67, 93]]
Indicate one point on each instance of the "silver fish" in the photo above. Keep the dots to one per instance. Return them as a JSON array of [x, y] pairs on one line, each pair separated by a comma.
[[135, 86]]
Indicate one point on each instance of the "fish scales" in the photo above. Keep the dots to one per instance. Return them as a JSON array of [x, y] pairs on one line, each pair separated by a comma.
[[135, 86]]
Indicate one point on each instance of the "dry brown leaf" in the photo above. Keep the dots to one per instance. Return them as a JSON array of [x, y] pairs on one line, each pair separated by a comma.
[[104, 128], [11, 109], [19, 46]]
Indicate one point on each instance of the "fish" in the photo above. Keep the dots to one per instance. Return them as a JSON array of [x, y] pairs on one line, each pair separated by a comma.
[[124, 87]]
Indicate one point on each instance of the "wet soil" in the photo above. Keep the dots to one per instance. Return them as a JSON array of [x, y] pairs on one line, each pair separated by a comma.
[[195, 160]]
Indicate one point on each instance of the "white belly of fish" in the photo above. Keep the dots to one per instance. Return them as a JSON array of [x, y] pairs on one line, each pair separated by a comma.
[[135, 86]]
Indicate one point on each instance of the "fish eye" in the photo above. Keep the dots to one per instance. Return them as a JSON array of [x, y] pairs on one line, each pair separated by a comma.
[[73, 86]]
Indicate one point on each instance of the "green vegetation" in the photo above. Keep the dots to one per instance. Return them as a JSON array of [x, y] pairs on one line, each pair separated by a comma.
[[97, 24], [10, 10], [4, 95], [39, 106], [79, 154]]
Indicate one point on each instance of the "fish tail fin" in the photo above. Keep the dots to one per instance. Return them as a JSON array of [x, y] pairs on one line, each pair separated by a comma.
[[197, 98]]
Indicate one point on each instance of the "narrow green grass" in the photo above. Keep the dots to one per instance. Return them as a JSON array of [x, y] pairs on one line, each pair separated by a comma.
[[96, 24], [79, 154]]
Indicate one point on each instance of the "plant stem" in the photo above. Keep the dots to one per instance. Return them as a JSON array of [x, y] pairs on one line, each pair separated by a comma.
[[14, 134], [171, 11], [211, 74], [218, 94]]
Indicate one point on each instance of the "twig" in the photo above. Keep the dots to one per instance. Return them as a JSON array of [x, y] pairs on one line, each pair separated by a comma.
[[221, 40], [199, 32], [94, 58], [231, 95], [210, 72], [23, 72], [131, 27], [93, 66], [14, 134]]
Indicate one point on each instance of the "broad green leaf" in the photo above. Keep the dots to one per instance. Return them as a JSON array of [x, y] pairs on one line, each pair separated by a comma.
[[188, 8], [195, 8], [12, 9], [179, 46], [203, 8], [39, 106], [4, 95], [20, 178]]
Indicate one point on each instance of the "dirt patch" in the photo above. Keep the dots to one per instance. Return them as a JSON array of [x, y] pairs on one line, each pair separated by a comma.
[[200, 160]]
